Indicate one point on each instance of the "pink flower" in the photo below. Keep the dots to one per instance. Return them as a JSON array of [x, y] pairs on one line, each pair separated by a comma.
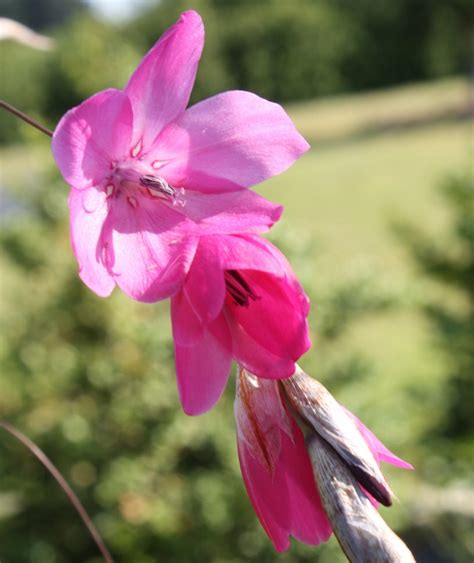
[[241, 301], [145, 173], [276, 467]]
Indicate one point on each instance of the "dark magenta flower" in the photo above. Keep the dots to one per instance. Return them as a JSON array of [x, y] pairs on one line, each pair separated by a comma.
[[242, 301], [275, 465]]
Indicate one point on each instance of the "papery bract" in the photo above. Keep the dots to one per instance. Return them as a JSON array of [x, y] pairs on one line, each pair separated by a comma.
[[276, 467], [381, 453], [242, 301], [148, 176]]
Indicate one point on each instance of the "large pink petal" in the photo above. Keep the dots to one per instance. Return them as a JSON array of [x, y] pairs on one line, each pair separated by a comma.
[[260, 418], [269, 497], [187, 327], [205, 287], [86, 239], [271, 333], [256, 358], [160, 87], [232, 212], [91, 136], [149, 256], [287, 501], [309, 522], [202, 369], [380, 452], [245, 252], [232, 139]]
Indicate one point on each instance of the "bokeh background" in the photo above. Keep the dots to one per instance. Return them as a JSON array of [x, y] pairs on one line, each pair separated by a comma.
[[379, 225]]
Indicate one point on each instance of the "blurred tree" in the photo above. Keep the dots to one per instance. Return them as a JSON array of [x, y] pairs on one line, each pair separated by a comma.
[[281, 50], [451, 262], [447, 259], [406, 40], [41, 14], [90, 56], [450, 45], [287, 50], [22, 71], [307, 48]]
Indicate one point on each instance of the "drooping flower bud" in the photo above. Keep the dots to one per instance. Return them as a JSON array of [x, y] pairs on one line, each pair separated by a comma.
[[275, 465], [260, 418]]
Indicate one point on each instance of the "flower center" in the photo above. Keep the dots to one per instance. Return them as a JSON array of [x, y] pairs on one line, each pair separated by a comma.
[[238, 288], [159, 187], [134, 183]]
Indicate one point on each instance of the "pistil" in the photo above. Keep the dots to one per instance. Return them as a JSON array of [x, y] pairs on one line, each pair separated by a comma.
[[159, 187]]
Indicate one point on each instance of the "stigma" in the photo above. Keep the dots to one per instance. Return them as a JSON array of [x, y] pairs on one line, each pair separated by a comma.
[[159, 187]]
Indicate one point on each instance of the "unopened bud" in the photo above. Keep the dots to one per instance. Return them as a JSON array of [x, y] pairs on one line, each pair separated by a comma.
[[359, 528], [260, 417], [313, 403]]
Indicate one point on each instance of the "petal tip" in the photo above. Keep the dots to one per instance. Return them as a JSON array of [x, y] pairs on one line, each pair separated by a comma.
[[193, 410], [277, 213]]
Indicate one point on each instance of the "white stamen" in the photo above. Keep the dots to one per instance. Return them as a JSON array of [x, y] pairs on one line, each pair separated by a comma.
[[158, 164], [109, 190], [136, 150], [253, 380], [179, 197], [159, 187], [155, 193], [132, 201]]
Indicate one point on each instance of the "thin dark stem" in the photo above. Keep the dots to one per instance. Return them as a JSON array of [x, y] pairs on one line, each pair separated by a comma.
[[48, 464], [25, 117]]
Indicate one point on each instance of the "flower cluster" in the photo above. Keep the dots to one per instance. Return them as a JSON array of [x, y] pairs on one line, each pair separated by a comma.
[[160, 206], [274, 459]]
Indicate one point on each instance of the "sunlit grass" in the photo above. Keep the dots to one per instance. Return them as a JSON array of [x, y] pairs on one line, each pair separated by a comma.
[[348, 115]]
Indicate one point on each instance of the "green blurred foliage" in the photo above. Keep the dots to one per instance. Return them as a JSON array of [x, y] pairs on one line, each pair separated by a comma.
[[41, 14], [90, 56], [281, 50], [450, 261], [306, 48], [20, 68]]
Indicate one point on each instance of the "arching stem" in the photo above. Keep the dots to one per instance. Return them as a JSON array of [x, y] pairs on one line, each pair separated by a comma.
[[48, 464], [25, 118]]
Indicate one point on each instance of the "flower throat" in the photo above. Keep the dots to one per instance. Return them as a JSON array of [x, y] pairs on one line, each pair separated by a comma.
[[239, 289]]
